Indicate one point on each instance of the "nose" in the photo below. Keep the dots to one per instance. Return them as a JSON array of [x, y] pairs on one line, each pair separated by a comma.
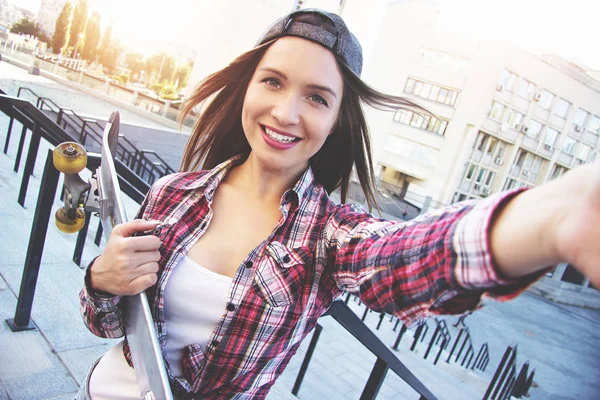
[[286, 110]]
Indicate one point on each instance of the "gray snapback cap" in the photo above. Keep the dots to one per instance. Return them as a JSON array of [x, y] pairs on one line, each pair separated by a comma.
[[333, 34]]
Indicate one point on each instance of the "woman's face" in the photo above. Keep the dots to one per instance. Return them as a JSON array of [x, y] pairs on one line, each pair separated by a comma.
[[291, 104]]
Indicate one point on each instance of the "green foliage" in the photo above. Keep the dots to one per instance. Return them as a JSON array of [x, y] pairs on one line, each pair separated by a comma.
[[162, 64], [165, 90], [25, 27], [123, 79], [182, 74], [135, 62], [92, 38], [61, 31], [78, 23]]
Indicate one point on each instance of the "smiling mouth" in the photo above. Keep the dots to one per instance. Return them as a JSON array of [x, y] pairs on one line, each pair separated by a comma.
[[279, 137]]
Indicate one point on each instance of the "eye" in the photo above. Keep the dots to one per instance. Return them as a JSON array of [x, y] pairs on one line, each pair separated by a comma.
[[318, 99], [272, 82]]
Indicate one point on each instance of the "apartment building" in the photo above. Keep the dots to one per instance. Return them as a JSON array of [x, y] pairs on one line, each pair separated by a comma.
[[501, 117], [49, 10]]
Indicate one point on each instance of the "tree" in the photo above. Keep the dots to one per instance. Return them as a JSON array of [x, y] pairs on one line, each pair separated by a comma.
[[25, 27], [105, 43], [92, 38], [135, 62], [182, 74], [162, 64], [78, 25], [61, 30]]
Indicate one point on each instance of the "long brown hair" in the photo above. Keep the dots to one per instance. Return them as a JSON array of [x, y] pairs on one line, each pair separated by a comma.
[[218, 135]]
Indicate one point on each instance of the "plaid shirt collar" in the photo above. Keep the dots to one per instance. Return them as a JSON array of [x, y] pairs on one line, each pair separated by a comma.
[[299, 192]]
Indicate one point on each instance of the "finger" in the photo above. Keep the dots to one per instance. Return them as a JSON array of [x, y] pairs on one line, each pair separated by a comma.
[[142, 283], [146, 268], [143, 243], [138, 225]]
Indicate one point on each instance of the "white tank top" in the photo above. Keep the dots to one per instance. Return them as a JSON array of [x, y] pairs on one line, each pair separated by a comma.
[[195, 300]]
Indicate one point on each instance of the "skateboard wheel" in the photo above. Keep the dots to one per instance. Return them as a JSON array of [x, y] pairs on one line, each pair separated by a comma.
[[69, 221], [69, 157]]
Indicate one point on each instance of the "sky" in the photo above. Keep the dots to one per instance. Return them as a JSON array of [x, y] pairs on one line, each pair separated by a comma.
[[560, 27]]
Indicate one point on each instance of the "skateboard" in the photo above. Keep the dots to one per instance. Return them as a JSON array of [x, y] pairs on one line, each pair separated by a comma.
[[102, 195]]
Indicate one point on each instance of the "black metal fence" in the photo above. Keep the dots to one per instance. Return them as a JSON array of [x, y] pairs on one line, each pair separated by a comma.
[[506, 383]]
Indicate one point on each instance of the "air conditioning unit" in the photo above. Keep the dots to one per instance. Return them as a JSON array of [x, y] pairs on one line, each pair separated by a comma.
[[499, 161], [525, 173], [548, 147], [477, 186], [517, 127], [485, 191], [537, 97], [499, 88], [524, 129], [578, 128]]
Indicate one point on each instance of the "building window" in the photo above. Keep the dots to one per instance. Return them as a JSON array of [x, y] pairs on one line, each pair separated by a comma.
[[594, 125], [546, 99], [550, 138], [481, 141], [583, 152], [580, 117], [534, 128], [569, 145], [514, 118], [507, 80], [470, 172], [562, 108], [431, 92], [525, 88], [557, 171], [420, 121], [497, 111]]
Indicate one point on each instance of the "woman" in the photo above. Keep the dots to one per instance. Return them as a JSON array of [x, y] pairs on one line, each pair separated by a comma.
[[250, 251]]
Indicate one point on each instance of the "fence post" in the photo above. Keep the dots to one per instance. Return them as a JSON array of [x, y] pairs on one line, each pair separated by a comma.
[[81, 240], [34, 144], [20, 148], [8, 133], [307, 357], [497, 373], [400, 334], [375, 381], [39, 228]]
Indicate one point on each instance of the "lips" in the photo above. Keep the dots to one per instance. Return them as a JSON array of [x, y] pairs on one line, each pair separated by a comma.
[[278, 139]]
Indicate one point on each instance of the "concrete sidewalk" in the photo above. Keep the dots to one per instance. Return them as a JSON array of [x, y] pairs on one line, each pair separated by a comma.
[[50, 362]]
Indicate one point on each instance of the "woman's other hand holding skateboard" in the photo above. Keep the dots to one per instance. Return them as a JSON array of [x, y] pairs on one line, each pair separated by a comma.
[[129, 263]]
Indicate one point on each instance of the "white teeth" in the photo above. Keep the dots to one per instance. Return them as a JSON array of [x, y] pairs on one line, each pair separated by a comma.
[[278, 137]]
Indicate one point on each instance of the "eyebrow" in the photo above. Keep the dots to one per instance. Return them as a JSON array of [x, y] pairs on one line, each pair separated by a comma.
[[312, 85]]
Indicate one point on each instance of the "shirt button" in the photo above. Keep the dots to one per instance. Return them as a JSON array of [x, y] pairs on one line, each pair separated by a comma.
[[286, 258], [230, 307], [248, 264], [215, 343]]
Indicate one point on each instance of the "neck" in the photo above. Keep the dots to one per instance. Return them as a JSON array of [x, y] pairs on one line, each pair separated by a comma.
[[259, 181]]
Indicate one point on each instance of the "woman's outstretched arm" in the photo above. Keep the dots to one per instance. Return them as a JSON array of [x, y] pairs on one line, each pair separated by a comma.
[[552, 223]]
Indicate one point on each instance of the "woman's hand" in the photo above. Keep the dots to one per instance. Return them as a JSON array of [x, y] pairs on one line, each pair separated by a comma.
[[129, 264], [553, 223], [578, 226]]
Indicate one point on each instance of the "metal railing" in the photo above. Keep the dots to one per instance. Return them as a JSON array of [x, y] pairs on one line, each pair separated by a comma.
[[506, 383], [147, 164]]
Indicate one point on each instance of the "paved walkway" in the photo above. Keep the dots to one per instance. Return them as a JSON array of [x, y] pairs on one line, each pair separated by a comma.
[[50, 362]]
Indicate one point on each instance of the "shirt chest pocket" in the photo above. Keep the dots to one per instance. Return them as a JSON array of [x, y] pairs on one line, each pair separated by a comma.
[[280, 275]]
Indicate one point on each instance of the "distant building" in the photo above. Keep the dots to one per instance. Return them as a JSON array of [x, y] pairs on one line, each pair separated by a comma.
[[504, 119], [49, 10]]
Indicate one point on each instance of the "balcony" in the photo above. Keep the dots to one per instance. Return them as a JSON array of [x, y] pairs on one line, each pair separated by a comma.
[[530, 143], [490, 126], [589, 138], [564, 159], [557, 121]]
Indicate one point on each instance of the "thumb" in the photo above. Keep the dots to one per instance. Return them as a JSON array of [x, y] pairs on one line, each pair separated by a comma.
[[128, 229]]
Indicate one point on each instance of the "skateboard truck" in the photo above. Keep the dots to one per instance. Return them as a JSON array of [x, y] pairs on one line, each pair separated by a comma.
[[70, 158]]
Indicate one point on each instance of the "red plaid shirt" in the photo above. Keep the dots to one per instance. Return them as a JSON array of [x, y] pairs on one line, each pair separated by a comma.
[[437, 263]]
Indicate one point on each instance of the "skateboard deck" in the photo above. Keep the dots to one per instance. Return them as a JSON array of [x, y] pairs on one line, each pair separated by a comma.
[[103, 195], [139, 326]]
